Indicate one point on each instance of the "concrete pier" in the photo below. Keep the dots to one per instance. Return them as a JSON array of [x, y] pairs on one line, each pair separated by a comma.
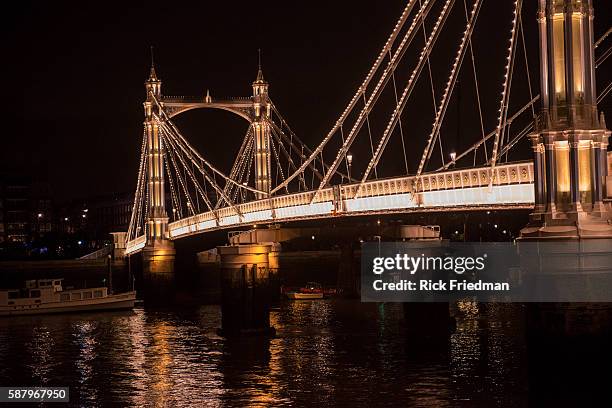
[[349, 278], [159, 259], [427, 320], [274, 271], [245, 289]]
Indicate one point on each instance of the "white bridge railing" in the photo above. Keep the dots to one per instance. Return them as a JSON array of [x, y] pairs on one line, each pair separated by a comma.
[[509, 185]]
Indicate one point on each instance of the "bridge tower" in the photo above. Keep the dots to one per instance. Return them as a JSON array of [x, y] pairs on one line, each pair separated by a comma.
[[261, 131], [158, 253], [570, 138], [570, 225]]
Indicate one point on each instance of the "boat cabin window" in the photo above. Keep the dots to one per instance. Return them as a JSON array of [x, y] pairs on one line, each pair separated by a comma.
[[76, 296], [98, 293], [42, 284], [35, 293], [64, 297], [13, 294], [86, 295], [57, 282]]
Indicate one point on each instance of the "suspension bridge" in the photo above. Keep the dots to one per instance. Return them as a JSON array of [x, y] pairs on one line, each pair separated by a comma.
[[277, 178]]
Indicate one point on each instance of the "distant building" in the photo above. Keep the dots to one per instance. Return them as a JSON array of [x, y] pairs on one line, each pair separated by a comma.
[[95, 218], [26, 211]]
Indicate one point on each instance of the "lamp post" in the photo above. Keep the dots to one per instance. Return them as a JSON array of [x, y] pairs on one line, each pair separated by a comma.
[[349, 160], [453, 157]]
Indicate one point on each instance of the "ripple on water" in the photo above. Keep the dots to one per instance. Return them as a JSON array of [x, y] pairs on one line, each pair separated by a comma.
[[325, 353]]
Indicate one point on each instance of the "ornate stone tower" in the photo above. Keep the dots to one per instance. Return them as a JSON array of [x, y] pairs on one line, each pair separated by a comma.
[[261, 130], [570, 138], [158, 253]]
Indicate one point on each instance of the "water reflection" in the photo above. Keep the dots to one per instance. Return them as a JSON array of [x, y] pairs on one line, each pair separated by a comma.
[[41, 356], [487, 352], [86, 343], [326, 353]]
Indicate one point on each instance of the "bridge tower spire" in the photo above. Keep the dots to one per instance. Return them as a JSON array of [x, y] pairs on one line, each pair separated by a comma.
[[158, 253], [262, 133], [569, 141]]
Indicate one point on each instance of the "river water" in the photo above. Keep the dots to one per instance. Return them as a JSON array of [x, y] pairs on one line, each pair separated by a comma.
[[326, 352]]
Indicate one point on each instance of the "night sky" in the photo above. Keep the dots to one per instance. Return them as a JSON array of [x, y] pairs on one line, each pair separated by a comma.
[[73, 76]]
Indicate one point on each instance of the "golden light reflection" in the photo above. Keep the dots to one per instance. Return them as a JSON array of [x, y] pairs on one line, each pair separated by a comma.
[[161, 380], [136, 361]]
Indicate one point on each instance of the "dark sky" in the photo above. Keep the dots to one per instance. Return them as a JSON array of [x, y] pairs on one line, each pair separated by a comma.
[[73, 75]]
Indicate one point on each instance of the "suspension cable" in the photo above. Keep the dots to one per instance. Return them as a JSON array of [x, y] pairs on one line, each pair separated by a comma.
[[181, 180], [490, 135], [173, 135], [138, 193], [174, 130], [603, 57], [450, 85], [476, 86], [171, 142], [431, 41], [175, 204], [400, 121], [475, 146], [369, 133], [603, 37], [505, 96], [520, 22], [401, 48], [408, 37]]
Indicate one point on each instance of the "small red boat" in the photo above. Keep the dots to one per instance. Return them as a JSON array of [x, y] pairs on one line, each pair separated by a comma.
[[312, 290]]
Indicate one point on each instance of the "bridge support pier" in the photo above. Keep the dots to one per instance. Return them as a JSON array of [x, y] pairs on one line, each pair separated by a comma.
[[158, 272], [246, 289], [349, 273], [159, 258], [427, 321], [274, 270]]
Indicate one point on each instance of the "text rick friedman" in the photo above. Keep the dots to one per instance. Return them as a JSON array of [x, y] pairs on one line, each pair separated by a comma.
[[441, 286], [411, 264]]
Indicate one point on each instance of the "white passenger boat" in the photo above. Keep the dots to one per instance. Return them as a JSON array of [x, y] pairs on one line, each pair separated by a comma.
[[48, 296]]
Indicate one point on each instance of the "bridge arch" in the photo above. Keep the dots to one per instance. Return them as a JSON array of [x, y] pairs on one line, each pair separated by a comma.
[[175, 109]]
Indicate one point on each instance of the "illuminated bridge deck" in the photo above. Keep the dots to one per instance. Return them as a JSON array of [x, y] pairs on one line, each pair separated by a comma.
[[468, 189]]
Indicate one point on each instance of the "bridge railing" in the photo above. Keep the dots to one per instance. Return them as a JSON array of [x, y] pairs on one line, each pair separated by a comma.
[[509, 184], [515, 173], [136, 244]]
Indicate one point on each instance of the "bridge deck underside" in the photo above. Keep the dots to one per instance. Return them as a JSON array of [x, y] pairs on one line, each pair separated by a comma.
[[511, 186]]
